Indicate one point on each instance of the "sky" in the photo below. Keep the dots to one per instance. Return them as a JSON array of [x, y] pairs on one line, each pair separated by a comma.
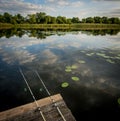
[[68, 8]]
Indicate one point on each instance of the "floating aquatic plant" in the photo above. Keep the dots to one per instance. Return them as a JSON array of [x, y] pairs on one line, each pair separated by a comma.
[[102, 55], [41, 89], [90, 54], [68, 70], [75, 78], [118, 101], [25, 89], [83, 51], [68, 67], [81, 61], [64, 84], [110, 61], [73, 67], [117, 57]]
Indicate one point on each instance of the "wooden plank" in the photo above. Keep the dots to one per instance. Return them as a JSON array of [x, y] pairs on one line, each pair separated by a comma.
[[29, 111]]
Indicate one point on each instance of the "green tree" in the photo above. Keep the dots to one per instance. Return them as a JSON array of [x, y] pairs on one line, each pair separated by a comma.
[[13, 20], [7, 17], [47, 19], [1, 18], [53, 20], [83, 20], [75, 20], [104, 20], [64, 20], [31, 18], [97, 19], [114, 20], [40, 17], [59, 20], [19, 18], [69, 21], [89, 20]]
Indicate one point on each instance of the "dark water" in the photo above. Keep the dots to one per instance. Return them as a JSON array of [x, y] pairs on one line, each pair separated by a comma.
[[93, 57]]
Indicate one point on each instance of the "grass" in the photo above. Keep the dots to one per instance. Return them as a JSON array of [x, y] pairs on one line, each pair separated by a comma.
[[81, 26]]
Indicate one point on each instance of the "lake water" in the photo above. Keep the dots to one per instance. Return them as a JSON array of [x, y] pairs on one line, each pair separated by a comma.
[[87, 63]]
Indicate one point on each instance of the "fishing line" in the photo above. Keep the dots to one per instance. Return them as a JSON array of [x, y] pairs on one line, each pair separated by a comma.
[[37, 105], [53, 101]]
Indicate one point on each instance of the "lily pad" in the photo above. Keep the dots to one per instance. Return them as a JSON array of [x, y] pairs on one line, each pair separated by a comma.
[[90, 54], [73, 67], [64, 84], [118, 101], [41, 89], [75, 78], [103, 55], [68, 70], [81, 61], [25, 89], [119, 55], [110, 61], [68, 67], [83, 51]]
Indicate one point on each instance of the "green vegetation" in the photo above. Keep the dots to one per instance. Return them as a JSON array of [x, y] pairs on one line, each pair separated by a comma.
[[64, 84], [41, 89], [81, 61], [42, 20], [74, 67], [118, 101], [110, 61], [25, 89], [74, 78], [70, 68]]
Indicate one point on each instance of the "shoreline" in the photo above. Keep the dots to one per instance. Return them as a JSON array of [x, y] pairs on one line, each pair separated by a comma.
[[79, 26]]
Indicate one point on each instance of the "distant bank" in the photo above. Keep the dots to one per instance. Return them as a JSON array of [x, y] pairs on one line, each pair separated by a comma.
[[60, 26]]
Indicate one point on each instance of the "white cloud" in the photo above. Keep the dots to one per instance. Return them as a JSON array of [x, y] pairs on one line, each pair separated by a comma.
[[19, 52], [21, 56], [18, 6], [51, 0], [107, 0], [77, 4], [50, 57], [68, 8], [63, 3]]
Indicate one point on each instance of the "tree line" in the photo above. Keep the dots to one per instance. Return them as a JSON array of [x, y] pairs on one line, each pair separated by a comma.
[[43, 18]]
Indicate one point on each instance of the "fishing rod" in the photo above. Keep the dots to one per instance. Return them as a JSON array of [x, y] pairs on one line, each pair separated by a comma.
[[37, 105], [53, 101]]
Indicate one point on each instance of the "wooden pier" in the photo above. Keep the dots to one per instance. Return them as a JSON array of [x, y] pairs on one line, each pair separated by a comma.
[[29, 112]]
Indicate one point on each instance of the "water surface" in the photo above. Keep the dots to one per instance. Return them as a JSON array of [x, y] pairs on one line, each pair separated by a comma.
[[87, 61]]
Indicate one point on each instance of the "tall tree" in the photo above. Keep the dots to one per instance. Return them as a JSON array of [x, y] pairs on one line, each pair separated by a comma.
[[19, 18], [75, 20], [97, 19], [83, 20], [59, 20], [104, 20], [69, 21], [31, 18], [53, 20], [7, 17], [89, 20], [40, 17]]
